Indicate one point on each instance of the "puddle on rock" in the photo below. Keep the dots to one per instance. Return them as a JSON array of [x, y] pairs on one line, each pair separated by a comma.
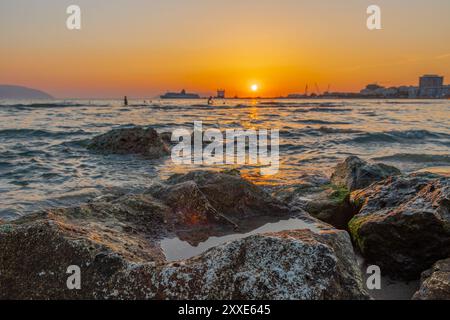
[[175, 249]]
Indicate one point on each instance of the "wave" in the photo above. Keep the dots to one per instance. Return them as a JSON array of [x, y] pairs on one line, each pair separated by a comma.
[[328, 110], [407, 136], [411, 157], [324, 130], [328, 130], [50, 105], [41, 105], [5, 164], [316, 121], [407, 102], [300, 104], [34, 133]]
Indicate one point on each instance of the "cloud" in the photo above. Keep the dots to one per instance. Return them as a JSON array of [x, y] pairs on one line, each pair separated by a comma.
[[443, 56]]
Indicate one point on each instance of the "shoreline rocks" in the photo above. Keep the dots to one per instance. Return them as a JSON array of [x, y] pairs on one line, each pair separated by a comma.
[[137, 140], [115, 242], [327, 202], [354, 173], [295, 264], [400, 223], [289, 265], [404, 223]]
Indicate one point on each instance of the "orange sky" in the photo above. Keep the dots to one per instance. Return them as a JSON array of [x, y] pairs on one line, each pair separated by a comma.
[[144, 48]]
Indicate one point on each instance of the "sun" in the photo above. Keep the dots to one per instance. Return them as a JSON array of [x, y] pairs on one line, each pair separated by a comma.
[[254, 87]]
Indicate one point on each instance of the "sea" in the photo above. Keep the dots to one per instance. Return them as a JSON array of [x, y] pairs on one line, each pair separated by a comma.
[[44, 161]]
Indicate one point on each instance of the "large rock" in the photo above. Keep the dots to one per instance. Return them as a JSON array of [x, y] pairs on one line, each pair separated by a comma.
[[136, 140], [217, 203], [36, 251], [230, 194], [288, 265], [321, 199], [435, 282], [300, 264], [327, 203], [116, 243], [404, 223], [354, 173]]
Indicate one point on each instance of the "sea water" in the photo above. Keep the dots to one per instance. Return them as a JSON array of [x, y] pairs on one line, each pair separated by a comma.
[[44, 161]]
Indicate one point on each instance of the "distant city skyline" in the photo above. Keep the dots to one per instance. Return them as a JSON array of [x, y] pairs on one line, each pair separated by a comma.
[[144, 49]]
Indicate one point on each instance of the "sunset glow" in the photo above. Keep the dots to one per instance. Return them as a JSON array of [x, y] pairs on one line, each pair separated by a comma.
[[145, 48]]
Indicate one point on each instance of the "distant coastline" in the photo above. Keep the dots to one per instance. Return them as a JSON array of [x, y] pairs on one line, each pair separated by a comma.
[[20, 92]]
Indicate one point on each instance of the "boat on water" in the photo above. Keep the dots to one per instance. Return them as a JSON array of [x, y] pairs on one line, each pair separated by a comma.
[[180, 95]]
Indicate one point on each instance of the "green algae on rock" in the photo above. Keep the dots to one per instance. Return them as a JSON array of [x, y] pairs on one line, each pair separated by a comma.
[[404, 223]]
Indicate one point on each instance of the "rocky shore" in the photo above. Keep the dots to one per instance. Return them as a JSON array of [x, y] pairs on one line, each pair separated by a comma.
[[399, 222], [116, 243]]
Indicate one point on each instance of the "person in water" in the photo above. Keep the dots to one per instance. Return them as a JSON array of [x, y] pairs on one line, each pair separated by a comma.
[[125, 100], [210, 101]]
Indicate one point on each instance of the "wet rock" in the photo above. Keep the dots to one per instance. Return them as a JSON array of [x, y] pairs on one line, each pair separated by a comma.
[[309, 184], [328, 203], [435, 282], [217, 203], [115, 241], [114, 245], [321, 199], [136, 140], [36, 251], [191, 205], [230, 195], [196, 218], [404, 223], [332, 206], [297, 264], [355, 173]]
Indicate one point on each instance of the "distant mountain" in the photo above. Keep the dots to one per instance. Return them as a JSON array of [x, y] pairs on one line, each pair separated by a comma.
[[18, 92]]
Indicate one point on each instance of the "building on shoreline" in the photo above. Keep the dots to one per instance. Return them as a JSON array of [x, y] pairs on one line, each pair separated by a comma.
[[431, 86], [376, 91]]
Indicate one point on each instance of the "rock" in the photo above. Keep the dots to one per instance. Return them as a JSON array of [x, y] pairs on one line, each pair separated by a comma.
[[404, 223], [435, 283], [331, 206], [136, 140], [328, 203], [355, 173], [309, 184], [321, 199], [192, 209], [218, 203], [191, 205], [118, 260], [231, 195], [115, 241], [288, 265], [35, 252]]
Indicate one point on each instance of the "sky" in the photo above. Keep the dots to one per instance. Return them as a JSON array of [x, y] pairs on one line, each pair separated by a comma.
[[144, 48]]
